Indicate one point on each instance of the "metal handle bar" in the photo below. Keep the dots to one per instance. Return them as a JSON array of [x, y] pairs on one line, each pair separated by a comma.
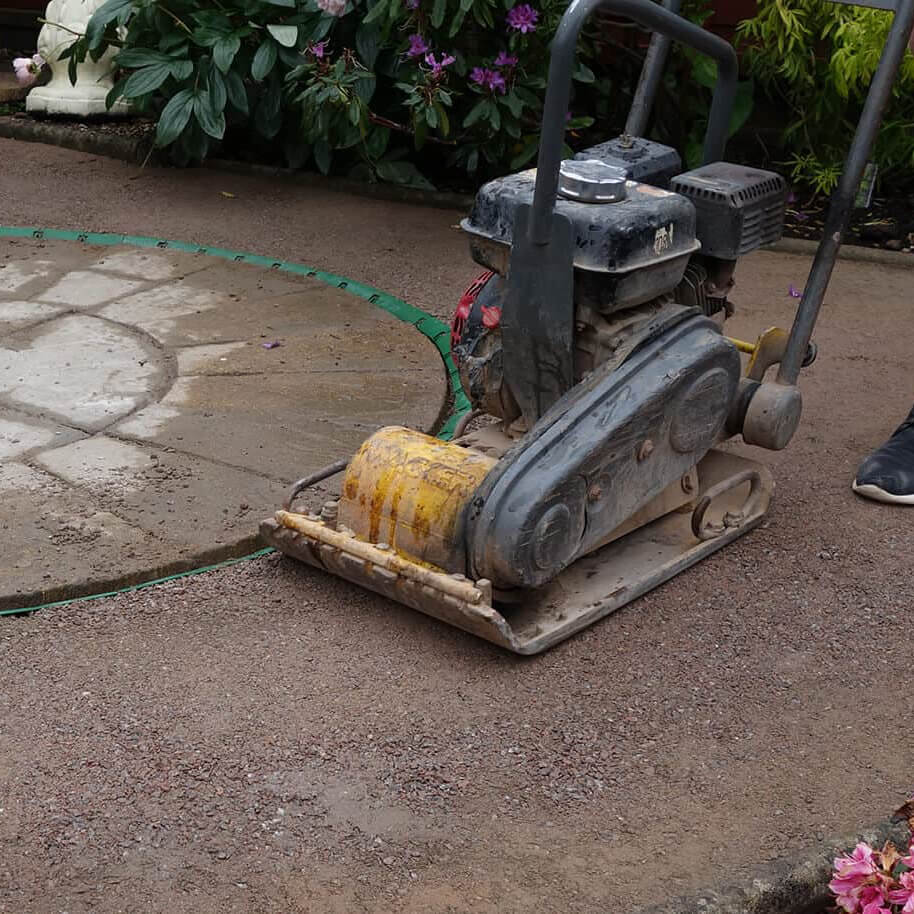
[[558, 91], [842, 201], [651, 74]]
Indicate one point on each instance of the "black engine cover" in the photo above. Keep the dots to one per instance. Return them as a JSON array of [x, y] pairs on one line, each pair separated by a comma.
[[609, 446]]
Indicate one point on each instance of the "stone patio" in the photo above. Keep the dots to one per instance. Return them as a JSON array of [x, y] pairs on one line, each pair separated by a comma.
[[148, 419]]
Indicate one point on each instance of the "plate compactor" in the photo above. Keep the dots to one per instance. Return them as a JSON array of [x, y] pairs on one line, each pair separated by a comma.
[[595, 341]]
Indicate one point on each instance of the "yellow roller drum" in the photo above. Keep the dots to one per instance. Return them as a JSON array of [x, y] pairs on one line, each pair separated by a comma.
[[408, 490]]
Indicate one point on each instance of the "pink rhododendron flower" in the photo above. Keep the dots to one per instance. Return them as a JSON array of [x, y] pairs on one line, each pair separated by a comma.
[[523, 18], [905, 894], [332, 7], [489, 79], [318, 48], [505, 59], [439, 65], [412, 4], [417, 46], [27, 69]]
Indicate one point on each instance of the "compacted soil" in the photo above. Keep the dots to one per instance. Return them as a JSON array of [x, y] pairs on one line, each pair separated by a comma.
[[266, 739]]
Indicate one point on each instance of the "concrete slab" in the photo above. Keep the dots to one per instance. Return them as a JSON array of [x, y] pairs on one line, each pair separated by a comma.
[[83, 370], [148, 420]]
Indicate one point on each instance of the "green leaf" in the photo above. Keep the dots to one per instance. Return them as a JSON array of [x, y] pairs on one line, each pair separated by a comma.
[[494, 116], [264, 59], [473, 160], [172, 42], [457, 22], [583, 73], [445, 123], [224, 51], [286, 35], [106, 13], [218, 92], [237, 94], [528, 150], [513, 104], [431, 117], [704, 71], [148, 79], [376, 141], [212, 122], [365, 87], [322, 28], [288, 3], [181, 69], [368, 45], [268, 116], [438, 10], [322, 156], [476, 113], [174, 117], [527, 97], [117, 90], [404, 173], [134, 58], [374, 14]]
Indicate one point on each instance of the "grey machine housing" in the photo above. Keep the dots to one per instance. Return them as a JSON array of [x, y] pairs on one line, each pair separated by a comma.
[[636, 249]]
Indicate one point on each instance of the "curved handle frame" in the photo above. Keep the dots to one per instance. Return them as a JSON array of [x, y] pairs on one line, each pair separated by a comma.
[[558, 91]]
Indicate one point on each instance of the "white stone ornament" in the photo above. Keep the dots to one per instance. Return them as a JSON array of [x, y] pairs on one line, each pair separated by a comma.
[[94, 79]]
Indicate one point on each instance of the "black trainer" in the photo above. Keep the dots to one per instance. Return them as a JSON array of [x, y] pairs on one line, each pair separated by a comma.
[[888, 473]]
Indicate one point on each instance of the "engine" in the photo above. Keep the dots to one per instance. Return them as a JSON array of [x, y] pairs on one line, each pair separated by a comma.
[[646, 236]]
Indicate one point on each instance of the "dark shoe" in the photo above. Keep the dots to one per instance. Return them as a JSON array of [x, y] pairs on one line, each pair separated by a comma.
[[888, 473]]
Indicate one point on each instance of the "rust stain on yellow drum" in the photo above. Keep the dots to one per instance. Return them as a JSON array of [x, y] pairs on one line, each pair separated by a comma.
[[408, 490]]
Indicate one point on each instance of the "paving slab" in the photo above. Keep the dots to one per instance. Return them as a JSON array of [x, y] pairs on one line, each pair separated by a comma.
[[154, 403]]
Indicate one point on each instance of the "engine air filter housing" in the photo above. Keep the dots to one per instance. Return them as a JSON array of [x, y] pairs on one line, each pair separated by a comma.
[[738, 209]]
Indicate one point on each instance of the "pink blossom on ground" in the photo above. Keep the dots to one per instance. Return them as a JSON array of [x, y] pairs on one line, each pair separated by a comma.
[[876, 907], [417, 46], [332, 7], [905, 894], [27, 69], [523, 18], [854, 875]]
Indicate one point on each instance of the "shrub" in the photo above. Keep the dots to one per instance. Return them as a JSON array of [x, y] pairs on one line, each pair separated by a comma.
[[374, 88], [816, 59]]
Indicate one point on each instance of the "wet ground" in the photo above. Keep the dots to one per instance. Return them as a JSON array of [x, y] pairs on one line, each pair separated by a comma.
[[267, 739]]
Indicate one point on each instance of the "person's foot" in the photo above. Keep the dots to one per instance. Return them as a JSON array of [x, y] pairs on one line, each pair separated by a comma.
[[888, 473]]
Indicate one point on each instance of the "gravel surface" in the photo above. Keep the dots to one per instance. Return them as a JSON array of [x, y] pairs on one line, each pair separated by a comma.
[[264, 738]]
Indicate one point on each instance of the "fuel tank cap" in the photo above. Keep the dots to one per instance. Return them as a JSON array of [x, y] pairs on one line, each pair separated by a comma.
[[591, 181]]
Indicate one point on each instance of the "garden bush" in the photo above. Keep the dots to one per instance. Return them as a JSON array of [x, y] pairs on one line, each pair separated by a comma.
[[815, 60], [388, 89]]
